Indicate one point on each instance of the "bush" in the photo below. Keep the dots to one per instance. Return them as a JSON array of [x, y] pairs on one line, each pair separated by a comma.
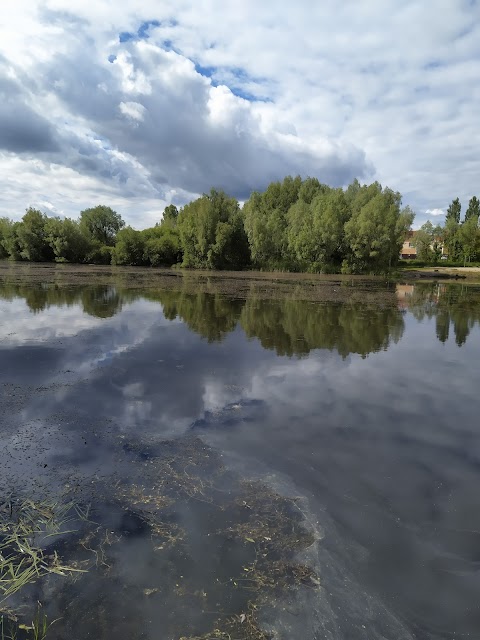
[[100, 254]]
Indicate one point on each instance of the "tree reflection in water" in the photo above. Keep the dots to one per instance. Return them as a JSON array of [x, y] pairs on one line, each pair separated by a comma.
[[289, 324]]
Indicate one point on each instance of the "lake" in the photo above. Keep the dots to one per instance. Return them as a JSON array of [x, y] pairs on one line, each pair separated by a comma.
[[241, 457]]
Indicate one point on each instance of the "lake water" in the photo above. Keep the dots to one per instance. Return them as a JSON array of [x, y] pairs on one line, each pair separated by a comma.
[[248, 464]]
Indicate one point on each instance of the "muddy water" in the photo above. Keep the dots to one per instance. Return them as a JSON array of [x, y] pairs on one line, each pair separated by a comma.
[[244, 462]]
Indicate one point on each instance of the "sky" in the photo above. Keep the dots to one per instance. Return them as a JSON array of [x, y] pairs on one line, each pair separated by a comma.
[[139, 105]]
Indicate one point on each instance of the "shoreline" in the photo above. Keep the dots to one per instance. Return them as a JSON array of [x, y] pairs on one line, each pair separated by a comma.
[[234, 283]]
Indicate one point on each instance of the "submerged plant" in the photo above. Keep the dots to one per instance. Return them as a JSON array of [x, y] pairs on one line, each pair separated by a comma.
[[244, 626], [182, 506], [37, 630], [264, 530]]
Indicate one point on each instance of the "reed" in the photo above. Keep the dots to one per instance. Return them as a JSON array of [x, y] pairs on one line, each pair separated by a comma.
[[25, 529]]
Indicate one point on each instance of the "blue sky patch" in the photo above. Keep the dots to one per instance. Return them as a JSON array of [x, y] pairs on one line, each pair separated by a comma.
[[144, 28], [142, 31], [246, 95], [218, 76], [125, 36], [205, 71], [167, 45]]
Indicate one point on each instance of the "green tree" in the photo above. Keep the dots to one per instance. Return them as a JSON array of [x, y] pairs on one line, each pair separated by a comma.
[[129, 248], [453, 211], [5, 230], [33, 238], [316, 232], [266, 223], [473, 210], [376, 230], [170, 216], [352, 191], [68, 242], [452, 239], [231, 250], [163, 246], [422, 241], [427, 243], [101, 224], [100, 254], [310, 188], [469, 238], [212, 233], [9, 239]]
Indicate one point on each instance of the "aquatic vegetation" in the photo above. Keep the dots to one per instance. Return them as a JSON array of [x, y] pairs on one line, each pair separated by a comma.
[[26, 528], [150, 505], [25, 525], [272, 522], [274, 525], [188, 468], [185, 469], [261, 526], [220, 549], [96, 541], [244, 626], [37, 630]]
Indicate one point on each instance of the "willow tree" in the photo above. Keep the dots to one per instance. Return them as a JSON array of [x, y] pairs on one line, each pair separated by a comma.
[[376, 230], [316, 231], [266, 223], [212, 233], [32, 237]]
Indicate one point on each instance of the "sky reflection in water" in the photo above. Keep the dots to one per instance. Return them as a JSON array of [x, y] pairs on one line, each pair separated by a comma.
[[368, 412]]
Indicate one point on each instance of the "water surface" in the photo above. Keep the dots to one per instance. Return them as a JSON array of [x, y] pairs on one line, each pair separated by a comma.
[[252, 463]]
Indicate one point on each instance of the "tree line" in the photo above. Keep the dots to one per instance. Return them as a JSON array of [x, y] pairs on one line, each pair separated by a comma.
[[294, 225], [460, 238]]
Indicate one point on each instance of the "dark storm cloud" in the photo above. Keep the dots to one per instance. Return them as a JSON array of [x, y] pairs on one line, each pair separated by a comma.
[[22, 130]]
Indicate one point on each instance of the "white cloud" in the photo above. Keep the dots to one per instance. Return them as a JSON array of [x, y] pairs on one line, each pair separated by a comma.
[[133, 110], [435, 212], [346, 95], [20, 326]]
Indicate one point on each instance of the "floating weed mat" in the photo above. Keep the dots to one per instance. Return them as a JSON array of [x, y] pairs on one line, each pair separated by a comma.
[[188, 469], [239, 627], [274, 526], [272, 522], [152, 508], [184, 470]]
